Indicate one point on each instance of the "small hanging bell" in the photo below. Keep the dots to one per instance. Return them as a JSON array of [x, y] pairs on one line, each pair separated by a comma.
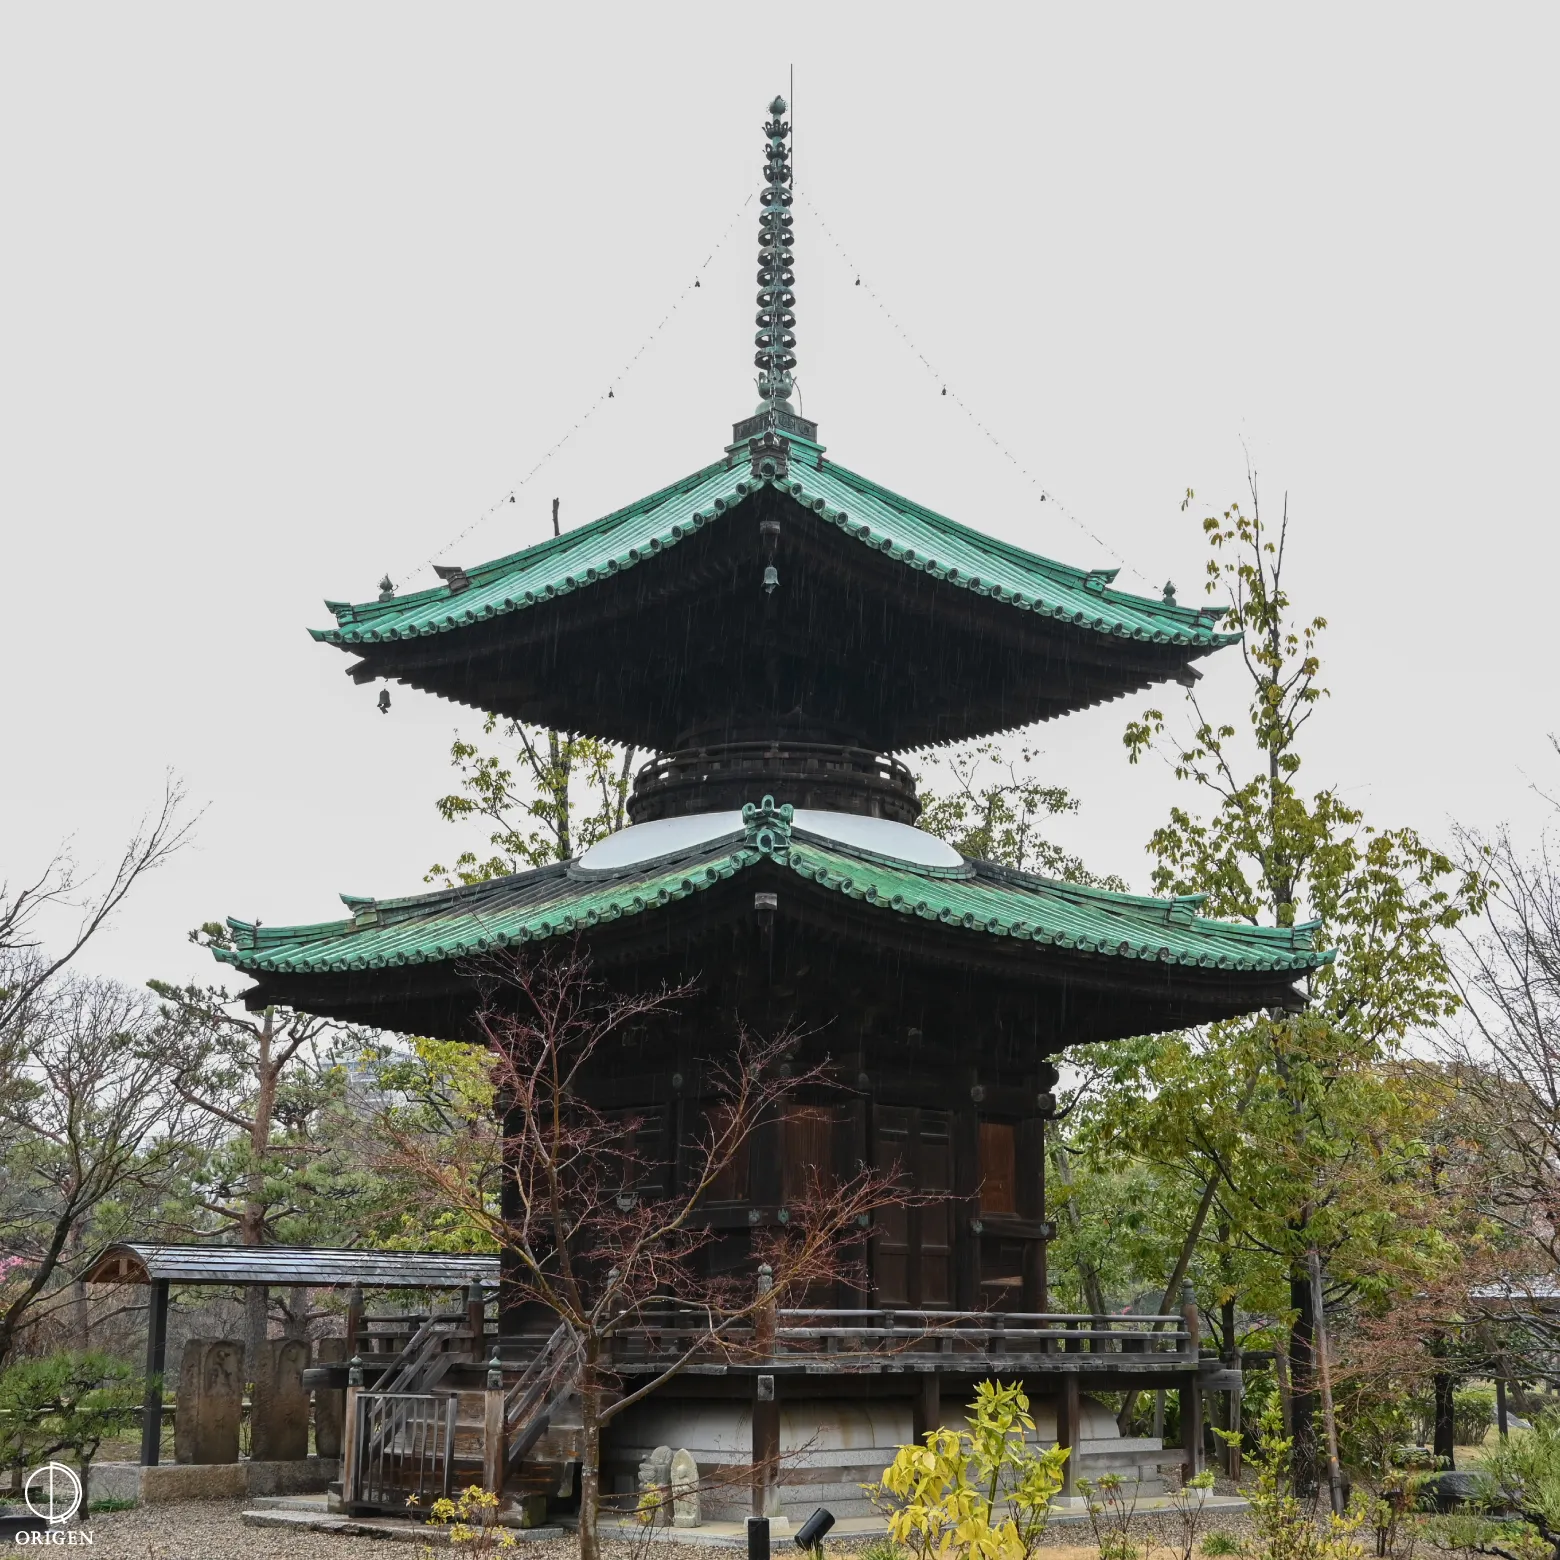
[[771, 579], [609, 395], [945, 389], [695, 281], [858, 281], [384, 701]]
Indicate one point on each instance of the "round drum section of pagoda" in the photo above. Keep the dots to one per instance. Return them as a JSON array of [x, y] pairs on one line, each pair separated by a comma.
[[827, 777]]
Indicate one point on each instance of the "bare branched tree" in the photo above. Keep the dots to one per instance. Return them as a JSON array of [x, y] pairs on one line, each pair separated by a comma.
[[585, 1237], [24, 968], [1505, 1049], [92, 1133]]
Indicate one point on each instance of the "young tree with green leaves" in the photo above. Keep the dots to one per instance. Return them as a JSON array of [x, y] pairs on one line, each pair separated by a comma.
[[994, 807], [1307, 1133], [549, 799], [431, 1092]]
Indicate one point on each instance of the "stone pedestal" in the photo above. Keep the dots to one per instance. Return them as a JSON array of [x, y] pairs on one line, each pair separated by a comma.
[[279, 1420], [330, 1403], [211, 1395]]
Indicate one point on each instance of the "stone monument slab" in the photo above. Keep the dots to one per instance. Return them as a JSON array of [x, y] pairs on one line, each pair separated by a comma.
[[210, 1401], [330, 1403], [279, 1429]]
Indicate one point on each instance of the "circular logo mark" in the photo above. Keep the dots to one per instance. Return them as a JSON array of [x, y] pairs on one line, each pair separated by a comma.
[[52, 1493]]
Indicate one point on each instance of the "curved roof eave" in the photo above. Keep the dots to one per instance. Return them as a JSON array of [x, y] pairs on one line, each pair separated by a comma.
[[551, 901], [918, 538]]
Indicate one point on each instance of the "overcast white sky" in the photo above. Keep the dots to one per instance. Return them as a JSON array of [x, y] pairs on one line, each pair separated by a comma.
[[292, 293]]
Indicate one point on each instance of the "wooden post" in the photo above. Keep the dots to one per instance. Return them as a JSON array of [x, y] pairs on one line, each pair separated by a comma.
[[476, 1319], [1192, 1321], [1042, 1256], [1191, 1428], [766, 1447], [494, 1451], [765, 1319], [927, 1413], [156, 1365], [1191, 1392], [1069, 1418], [1032, 1173], [350, 1449], [354, 1319]]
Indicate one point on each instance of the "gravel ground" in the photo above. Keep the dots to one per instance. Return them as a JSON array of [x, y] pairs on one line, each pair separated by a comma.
[[211, 1530]]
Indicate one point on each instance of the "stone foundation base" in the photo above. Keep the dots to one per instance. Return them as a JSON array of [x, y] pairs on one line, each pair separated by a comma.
[[829, 1449], [211, 1481]]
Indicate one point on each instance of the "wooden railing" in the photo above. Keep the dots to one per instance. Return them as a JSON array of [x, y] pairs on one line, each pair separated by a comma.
[[658, 1332], [405, 1445], [978, 1332], [527, 1404]]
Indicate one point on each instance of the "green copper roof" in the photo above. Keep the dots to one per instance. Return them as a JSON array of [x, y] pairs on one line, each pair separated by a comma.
[[561, 900], [915, 537]]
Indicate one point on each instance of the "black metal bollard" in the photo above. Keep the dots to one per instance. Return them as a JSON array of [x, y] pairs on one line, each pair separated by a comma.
[[758, 1538]]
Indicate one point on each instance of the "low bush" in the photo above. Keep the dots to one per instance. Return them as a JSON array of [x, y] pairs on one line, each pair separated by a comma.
[[982, 1492]]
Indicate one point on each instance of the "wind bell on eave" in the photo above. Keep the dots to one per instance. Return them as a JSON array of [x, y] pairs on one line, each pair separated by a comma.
[[776, 340]]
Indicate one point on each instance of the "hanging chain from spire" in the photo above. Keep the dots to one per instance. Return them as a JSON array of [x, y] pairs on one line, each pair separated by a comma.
[[776, 339]]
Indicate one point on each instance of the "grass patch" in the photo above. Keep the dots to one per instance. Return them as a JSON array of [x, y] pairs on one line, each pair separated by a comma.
[[1218, 1542], [881, 1549], [113, 1505]]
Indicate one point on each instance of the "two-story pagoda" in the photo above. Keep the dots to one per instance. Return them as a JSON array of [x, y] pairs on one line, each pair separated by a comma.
[[776, 628]]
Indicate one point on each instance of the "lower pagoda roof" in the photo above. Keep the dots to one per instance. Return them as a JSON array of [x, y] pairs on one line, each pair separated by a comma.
[[1171, 966]]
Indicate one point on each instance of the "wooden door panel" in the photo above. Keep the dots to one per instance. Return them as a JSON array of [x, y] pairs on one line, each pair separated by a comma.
[[913, 1250]]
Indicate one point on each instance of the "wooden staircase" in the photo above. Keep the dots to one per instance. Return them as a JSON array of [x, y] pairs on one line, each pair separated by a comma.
[[427, 1428]]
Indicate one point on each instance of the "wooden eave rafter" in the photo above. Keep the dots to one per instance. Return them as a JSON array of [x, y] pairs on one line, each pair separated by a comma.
[[1089, 997], [595, 660]]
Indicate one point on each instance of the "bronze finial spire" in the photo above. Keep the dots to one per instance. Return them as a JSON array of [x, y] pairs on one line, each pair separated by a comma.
[[776, 322]]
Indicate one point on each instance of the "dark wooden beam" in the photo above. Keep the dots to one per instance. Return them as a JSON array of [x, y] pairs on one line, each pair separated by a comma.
[[156, 1367]]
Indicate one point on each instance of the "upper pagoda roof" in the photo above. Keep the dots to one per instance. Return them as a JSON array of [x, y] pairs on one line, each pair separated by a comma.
[[911, 535], [1055, 637], [775, 596]]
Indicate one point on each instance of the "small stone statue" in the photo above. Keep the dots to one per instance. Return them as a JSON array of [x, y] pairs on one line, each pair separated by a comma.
[[686, 1511], [655, 1481]]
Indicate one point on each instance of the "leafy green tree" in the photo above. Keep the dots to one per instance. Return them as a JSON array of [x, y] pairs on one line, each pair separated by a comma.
[[70, 1402], [550, 798], [271, 1087], [994, 809], [1300, 1128], [430, 1092]]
